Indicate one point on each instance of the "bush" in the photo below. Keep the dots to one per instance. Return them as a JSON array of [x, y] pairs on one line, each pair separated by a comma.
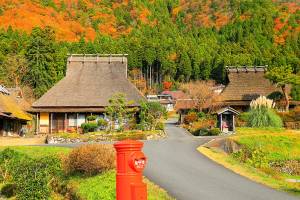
[[207, 132], [190, 117], [215, 131], [91, 118], [201, 115], [33, 177], [90, 159], [102, 123], [8, 190], [263, 117], [244, 116], [275, 96], [89, 127], [295, 92], [8, 162], [160, 126]]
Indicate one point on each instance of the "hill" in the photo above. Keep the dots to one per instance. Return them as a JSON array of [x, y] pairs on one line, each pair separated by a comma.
[[72, 20], [177, 40]]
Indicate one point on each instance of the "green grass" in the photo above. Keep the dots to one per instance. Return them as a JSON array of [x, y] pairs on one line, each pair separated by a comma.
[[96, 187], [38, 151], [274, 145], [103, 187]]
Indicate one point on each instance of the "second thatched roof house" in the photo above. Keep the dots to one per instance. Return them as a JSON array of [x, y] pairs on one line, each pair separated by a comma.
[[90, 82], [246, 84]]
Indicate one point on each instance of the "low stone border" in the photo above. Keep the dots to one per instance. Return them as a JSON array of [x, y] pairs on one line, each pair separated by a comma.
[[54, 139]]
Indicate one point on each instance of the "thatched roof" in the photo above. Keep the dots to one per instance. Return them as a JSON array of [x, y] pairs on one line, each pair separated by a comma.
[[9, 108], [185, 104], [246, 84], [89, 83], [176, 94]]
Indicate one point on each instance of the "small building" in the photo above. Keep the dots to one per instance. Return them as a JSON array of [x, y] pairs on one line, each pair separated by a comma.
[[12, 115], [164, 99], [90, 81], [183, 106], [246, 84], [226, 119]]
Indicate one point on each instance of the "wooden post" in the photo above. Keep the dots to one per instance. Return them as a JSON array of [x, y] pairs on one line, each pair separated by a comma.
[[76, 122], [221, 123], [65, 122], [51, 119], [233, 123]]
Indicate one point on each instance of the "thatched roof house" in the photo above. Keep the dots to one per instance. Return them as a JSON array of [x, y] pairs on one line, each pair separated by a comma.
[[246, 84], [90, 82], [12, 115]]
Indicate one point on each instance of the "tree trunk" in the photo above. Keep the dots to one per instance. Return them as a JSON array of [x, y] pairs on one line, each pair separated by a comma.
[[286, 97]]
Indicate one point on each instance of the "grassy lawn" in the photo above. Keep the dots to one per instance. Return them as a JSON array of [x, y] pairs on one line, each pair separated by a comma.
[[260, 149], [101, 186]]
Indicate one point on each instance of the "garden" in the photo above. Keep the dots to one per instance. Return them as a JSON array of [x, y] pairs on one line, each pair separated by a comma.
[[86, 172], [121, 121], [262, 149]]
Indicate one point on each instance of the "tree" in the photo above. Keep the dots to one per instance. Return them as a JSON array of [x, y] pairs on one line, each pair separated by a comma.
[[118, 110], [150, 114], [282, 76], [202, 92], [40, 53], [13, 68]]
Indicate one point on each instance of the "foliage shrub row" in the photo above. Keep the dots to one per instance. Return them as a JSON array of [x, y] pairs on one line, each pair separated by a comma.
[[35, 178], [30, 178]]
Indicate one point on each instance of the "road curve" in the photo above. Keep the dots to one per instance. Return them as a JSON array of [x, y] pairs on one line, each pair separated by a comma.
[[176, 165]]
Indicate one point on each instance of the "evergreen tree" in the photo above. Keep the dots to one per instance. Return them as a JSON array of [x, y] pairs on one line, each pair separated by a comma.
[[40, 53]]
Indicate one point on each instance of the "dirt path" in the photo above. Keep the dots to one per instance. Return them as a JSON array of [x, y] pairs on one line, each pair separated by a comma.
[[17, 141]]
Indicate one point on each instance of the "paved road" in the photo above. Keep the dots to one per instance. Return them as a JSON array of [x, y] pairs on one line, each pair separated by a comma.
[[176, 165]]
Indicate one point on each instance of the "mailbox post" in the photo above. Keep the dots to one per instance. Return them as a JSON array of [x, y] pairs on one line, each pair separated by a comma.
[[131, 162]]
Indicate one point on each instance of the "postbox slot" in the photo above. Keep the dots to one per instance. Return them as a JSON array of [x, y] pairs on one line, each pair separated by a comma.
[[139, 191]]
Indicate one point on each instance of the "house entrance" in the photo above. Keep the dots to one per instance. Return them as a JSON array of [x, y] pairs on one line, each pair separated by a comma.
[[58, 122]]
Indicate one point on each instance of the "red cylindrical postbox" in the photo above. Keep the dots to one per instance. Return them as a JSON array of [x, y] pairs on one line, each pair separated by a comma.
[[131, 162]]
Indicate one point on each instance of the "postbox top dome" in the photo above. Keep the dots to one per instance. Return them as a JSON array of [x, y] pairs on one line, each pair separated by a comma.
[[129, 144]]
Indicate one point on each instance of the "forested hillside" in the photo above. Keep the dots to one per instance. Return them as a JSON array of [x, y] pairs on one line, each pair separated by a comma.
[[177, 40]]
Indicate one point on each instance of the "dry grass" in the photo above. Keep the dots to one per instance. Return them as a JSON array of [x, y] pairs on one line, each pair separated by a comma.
[[90, 159]]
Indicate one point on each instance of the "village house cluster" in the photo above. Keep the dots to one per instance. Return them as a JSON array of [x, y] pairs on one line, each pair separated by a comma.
[[92, 79]]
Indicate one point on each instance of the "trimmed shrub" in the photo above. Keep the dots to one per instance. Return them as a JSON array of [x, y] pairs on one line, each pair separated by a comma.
[[201, 115], [89, 127], [102, 123], [91, 118], [190, 117], [90, 159]]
